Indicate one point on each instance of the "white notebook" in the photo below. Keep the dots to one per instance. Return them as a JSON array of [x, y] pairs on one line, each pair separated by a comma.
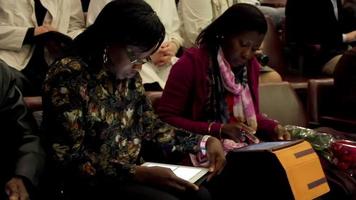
[[191, 174]]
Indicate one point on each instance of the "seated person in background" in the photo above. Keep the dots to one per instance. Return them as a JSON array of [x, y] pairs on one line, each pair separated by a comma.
[[22, 21], [213, 88], [97, 117], [349, 15], [158, 68], [345, 83], [21, 153], [317, 24], [196, 15]]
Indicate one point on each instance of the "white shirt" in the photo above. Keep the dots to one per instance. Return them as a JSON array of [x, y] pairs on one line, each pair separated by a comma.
[[336, 12], [197, 14], [66, 16], [94, 8], [168, 14]]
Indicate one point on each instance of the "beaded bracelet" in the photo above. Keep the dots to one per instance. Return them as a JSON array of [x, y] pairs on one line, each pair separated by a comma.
[[202, 144]]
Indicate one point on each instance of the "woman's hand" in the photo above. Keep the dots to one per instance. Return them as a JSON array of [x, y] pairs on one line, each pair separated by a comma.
[[350, 37], [162, 177], [43, 29], [216, 156], [164, 54], [234, 130], [16, 189], [282, 133], [169, 48]]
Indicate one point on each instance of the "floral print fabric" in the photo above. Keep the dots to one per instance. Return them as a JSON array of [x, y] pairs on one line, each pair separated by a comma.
[[95, 124]]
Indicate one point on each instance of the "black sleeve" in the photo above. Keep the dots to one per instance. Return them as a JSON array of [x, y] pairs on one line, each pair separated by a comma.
[[30, 156], [29, 37]]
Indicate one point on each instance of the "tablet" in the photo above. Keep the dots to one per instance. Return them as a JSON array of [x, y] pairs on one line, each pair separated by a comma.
[[269, 146], [192, 174]]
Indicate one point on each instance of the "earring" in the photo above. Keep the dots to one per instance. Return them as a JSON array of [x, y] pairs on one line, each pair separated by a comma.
[[105, 56]]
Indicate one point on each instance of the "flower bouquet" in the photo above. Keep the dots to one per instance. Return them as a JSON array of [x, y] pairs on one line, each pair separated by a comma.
[[340, 152]]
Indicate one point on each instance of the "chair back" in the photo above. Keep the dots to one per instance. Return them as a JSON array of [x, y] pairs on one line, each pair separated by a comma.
[[320, 94], [279, 101]]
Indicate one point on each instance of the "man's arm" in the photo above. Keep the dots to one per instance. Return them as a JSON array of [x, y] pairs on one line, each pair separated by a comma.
[[30, 158]]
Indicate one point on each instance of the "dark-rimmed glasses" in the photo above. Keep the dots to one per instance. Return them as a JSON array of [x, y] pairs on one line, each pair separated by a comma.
[[134, 59]]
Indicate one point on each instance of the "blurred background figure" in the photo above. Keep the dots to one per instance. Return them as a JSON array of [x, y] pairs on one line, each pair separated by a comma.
[[23, 157], [196, 15], [22, 22], [316, 36]]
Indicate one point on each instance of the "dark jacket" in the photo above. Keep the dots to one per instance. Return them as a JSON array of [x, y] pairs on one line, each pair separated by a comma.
[[20, 148], [313, 22], [345, 83]]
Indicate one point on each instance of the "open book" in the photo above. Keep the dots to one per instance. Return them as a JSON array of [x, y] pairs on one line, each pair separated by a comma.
[[192, 174]]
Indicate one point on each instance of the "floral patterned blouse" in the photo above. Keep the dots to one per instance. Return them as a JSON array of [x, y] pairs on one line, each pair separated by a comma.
[[95, 124]]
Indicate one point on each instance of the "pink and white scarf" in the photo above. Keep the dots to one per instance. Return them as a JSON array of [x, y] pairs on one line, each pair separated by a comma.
[[243, 108]]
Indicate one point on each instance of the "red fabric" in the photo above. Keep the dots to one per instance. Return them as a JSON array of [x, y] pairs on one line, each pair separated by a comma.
[[186, 94], [230, 105]]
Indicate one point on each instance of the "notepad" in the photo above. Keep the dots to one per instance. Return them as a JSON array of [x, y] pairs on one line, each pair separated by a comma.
[[191, 174]]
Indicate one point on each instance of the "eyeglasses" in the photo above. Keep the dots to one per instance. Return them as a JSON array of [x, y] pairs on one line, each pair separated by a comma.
[[133, 58]]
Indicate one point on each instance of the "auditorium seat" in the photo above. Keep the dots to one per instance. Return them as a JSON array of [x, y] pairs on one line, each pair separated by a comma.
[[323, 106], [279, 101]]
